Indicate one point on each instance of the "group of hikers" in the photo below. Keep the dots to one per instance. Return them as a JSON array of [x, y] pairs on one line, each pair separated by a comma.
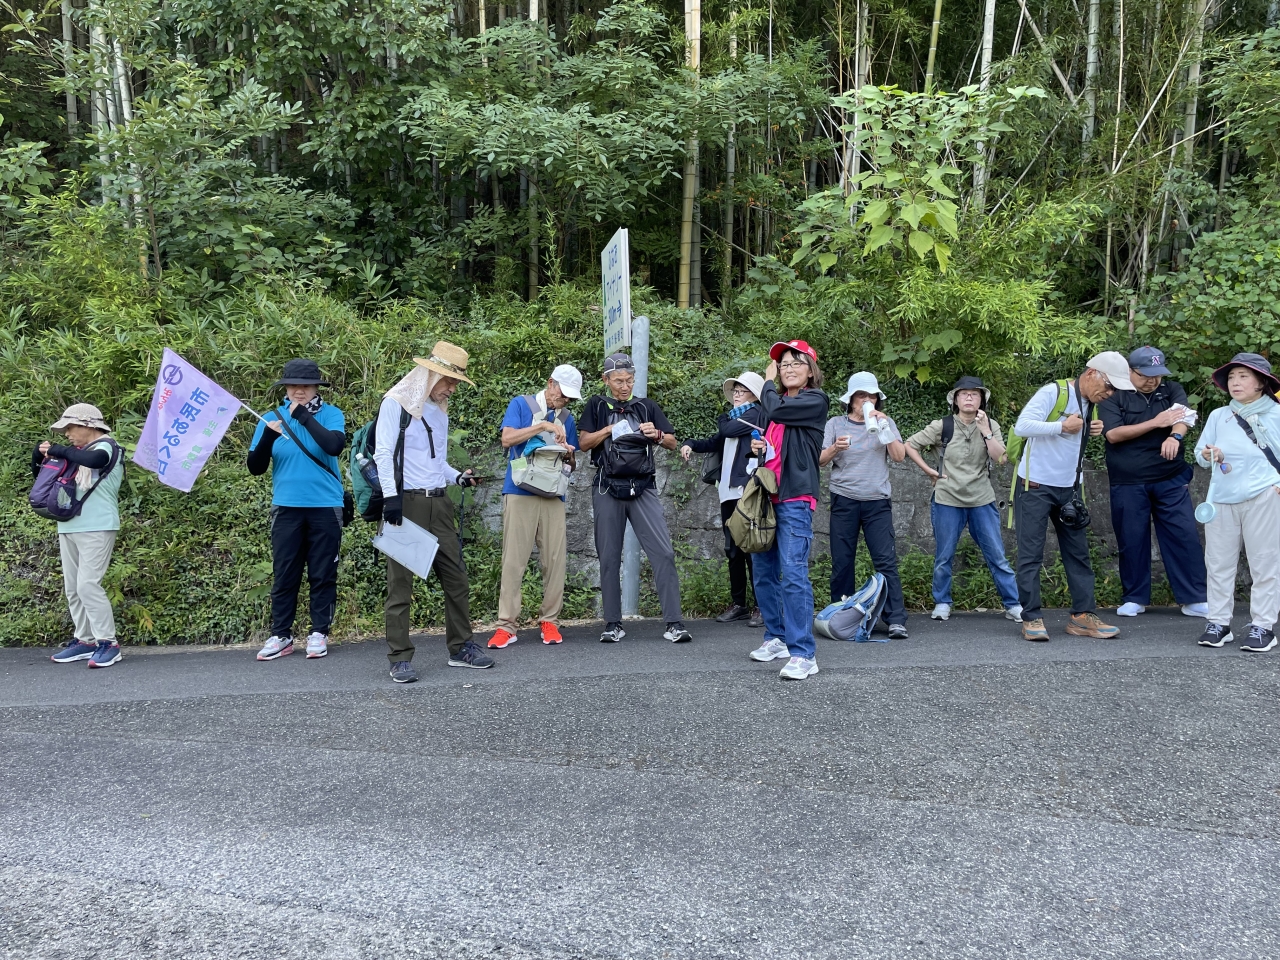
[[780, 423]]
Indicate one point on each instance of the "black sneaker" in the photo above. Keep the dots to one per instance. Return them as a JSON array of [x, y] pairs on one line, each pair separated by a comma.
[[757, 618], [897, 631], [1260, 639], [733, 612], [676, 633], [471, 656], [1215, 635], [402, 672], [613, 632]]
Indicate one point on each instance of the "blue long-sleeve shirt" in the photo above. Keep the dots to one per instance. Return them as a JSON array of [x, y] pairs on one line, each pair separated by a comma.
[[1251, 471]]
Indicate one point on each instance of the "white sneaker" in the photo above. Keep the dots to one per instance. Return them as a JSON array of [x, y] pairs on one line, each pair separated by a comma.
[[1200, 610], [275, 648], [941, 611], [798, 668], [1013, 613], [772, 649], [317, 646], [1131, 609]]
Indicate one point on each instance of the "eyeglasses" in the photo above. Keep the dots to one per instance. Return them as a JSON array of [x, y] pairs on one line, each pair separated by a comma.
[[621, 381], [737, 390], [793, 365], [1107, 384]]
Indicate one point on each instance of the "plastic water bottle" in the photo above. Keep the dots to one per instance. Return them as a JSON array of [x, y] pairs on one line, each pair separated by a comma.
[[369, 470], [869, 415]]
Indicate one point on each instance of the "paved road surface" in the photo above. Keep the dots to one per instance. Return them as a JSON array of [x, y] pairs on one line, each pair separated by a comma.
[[959, 794]]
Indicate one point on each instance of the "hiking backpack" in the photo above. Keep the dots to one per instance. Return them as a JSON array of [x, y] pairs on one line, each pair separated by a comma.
[[1017, 447], [853, 617], [366, 486], [631, 455], [538, 470], [53, 494], [753, 523]]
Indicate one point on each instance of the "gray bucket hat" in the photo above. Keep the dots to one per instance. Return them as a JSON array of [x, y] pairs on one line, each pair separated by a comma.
[[81, 415]]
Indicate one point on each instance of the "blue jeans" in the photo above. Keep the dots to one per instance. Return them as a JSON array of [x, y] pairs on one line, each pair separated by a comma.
[[780, 576], [984, 527]]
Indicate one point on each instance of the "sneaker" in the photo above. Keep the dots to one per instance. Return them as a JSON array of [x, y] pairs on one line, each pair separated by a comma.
[[1088, 625], [471, 656], [757, 618], [402, 672], [1215, 635], [1034, 630], [501, 639], [733, 612], [941, 611], [317, 646], [1260, 640], [798, 668], [897, 631], [772, 649], [676, 633], [1195, 610], [550, 633], [613, 632], [108, 652], [1130, 609], [275, 648], [74, 650], [1013, 613]]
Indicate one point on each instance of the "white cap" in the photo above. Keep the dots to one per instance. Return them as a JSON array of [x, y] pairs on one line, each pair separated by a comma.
[[864, 381], [1115, 366], [570, 380]]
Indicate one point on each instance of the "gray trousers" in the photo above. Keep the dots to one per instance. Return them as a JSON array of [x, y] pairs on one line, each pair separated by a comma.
[[1033, 510], [85, 558], [645, 514]]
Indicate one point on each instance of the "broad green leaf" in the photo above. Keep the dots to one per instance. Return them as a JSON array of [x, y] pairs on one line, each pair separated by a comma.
[[920, 242], [912, 213], [878, 238], [826, 261]]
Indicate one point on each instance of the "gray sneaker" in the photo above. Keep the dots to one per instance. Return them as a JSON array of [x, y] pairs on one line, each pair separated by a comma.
[[317, 646], [402, 672], [772, 649], [798, 668], [275, 648]]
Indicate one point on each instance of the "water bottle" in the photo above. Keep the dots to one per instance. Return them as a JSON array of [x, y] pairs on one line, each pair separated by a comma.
[[369, 470], [869, 415]]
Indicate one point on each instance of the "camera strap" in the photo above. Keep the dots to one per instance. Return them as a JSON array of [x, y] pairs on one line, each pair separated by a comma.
[[1086, 411]]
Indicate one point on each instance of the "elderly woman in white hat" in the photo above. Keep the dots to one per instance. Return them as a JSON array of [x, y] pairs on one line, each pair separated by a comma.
[[732, 441], [87, 540], [860, 444]]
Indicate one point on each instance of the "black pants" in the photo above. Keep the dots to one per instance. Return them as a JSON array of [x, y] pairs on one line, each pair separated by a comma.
[[1033, 509], [739, 562], [875, 519], [311, 536]]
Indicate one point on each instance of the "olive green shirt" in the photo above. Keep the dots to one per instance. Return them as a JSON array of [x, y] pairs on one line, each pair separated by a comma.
[[966, 483]]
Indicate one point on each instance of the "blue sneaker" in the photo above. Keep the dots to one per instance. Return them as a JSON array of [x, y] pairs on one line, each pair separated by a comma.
[[471, 656], [74, 650], [107, 653], [402, 672]]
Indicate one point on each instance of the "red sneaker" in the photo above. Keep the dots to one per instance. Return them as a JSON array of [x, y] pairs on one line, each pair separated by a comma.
[[501, 639], [551, 633]]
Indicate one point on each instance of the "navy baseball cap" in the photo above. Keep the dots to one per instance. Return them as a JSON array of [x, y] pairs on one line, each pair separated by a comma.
[[1149, 362]]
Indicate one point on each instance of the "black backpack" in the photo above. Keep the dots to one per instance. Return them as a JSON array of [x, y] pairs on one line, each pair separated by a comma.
[[627, 464]]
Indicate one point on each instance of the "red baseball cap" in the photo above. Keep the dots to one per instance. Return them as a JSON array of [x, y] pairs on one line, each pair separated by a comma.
[[800, 346]]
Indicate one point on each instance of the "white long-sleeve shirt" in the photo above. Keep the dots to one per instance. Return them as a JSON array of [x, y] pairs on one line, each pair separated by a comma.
[[422, 471], [1051, 455]]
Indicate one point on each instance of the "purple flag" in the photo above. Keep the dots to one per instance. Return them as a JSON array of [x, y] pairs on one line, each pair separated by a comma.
[[189, 414]]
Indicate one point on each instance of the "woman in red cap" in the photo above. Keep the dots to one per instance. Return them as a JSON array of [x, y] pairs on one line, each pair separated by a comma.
[[792, 443]]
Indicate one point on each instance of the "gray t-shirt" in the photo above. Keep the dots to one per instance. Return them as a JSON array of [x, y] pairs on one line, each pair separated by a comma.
[[862, 471]]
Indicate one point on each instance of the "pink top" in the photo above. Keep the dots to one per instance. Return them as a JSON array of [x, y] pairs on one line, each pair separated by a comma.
[[773, 436]]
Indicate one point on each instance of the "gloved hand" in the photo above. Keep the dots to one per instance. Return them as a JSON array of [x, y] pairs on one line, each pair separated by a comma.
[[393, 510], [467, 479]]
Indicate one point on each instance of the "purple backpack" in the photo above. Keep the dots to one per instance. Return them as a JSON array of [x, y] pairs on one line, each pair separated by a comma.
[[53, 495]]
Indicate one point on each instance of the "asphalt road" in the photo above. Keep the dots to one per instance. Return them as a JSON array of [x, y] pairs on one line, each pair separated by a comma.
[[958, 794]]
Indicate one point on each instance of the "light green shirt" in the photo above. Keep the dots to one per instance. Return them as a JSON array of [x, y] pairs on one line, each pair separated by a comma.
[[967, 483], [102, 510]]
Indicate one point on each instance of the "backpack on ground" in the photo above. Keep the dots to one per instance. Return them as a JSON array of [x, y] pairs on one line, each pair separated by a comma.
[[366, 486], [754, 523], [540, 470], [1018, 449], [53, 494], [853, 617]]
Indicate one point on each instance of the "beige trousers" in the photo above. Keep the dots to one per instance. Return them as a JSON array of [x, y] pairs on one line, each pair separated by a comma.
[[526, 521], [1255, 524], [85, 558]]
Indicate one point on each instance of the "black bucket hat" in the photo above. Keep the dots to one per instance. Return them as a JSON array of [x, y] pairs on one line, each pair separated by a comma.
[[968, 383], [1252, 361], [301, 373]]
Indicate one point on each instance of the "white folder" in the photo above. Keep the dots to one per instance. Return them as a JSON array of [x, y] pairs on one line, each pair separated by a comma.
[[408, 545]]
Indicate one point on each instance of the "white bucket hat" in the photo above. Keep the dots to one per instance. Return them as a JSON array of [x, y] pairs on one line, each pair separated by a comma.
[[570, 380], [752, 381], [81, 415], [864, 381]]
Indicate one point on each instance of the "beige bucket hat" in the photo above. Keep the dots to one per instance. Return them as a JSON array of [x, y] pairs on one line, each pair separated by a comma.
[[81, 415], [752, 381], [447, 359]]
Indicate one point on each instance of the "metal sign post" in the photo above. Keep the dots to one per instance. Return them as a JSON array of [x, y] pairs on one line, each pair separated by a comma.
[[631, 545]]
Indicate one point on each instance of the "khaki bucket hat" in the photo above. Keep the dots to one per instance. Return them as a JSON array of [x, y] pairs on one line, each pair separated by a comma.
[[81, 415]]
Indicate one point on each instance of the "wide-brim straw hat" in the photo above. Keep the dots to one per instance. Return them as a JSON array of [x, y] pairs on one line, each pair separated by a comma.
[[1252, 361], [447, 359], [81, 415], [752, 381]]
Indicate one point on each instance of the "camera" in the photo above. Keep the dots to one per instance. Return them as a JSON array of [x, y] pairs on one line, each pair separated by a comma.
[[1074, 515]]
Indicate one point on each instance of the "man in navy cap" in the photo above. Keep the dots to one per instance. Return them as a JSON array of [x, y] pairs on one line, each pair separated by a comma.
[[1150, 480]]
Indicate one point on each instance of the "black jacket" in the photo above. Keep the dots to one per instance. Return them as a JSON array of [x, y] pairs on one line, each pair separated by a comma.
[[726, 428], [94, 459], [805, 417]]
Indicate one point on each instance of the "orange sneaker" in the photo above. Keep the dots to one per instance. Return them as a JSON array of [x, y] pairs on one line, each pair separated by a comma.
[[551, 633], [501, 639]]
